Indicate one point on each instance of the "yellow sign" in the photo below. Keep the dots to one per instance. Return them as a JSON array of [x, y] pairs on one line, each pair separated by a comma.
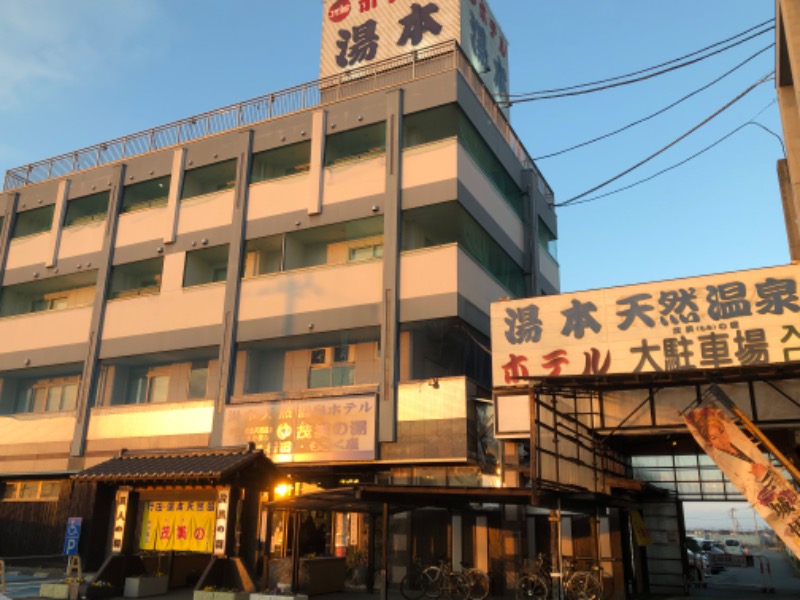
[[640, 529], [186, 526]]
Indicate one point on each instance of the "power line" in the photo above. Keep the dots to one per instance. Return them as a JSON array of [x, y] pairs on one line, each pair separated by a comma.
[[686, 160], [664, 64], [636, 80], [659, 112], [668, 146]]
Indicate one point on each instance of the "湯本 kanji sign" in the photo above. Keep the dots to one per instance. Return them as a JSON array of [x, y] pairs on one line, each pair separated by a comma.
[[717, 321], [359, 33]]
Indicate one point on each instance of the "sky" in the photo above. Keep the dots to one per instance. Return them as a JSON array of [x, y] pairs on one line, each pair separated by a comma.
[[74, 74]]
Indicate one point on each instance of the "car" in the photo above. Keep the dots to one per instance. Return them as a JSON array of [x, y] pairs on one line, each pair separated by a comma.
[[732, 545], [710, 548]]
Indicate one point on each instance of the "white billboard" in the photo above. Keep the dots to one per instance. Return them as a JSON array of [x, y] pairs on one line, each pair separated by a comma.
[[733, 319], [360, 33]]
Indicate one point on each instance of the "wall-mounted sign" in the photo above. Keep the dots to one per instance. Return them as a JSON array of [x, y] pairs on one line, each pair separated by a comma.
[[72, 536], [359, 33], [734, 319], [223, 515], [317, 430], [180, 525], [120, 518]]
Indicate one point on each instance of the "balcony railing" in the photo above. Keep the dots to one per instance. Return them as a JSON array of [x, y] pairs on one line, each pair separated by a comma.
[[381, 75]]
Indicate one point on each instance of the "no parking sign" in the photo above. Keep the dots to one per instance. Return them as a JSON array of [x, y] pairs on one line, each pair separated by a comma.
[[72, 536]]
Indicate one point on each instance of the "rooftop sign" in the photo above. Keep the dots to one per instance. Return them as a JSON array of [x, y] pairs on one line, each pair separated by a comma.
[[357, 33], [734, 319]]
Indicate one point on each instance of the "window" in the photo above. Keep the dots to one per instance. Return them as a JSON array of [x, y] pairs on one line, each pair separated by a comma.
[[366, 252], [263, 255], [280, 162], [356, 143], [86, 209], [198, 378], [136, 279], [148, 385], [148, 194], [31, 491], [47, 395], [449, 121], [449, 223], [206, 266], [34, 221], [207, 180], [548, 240], [331, 367], [56, 293]]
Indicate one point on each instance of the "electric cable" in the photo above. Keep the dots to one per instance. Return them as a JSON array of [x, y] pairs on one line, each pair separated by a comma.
[[629, 81], [692, 157], [668, 146], [664, 64], [655, 114]]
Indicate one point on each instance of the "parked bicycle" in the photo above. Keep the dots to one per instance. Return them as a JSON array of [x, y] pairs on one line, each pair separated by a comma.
[[537, 584], [411, 584], [440, 580], [478, 581], [577, 585]]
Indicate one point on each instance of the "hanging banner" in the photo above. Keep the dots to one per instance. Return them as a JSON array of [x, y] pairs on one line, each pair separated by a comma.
[[767, 491], [178, 525]]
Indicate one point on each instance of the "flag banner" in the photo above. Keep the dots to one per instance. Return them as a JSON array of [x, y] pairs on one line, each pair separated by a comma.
[[178, 525], [746, 466]]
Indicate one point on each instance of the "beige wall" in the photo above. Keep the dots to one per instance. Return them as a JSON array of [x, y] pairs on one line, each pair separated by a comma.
[[141, 226], [49, 329], [312, 289], [278, 196], [82, 239], [355, 179], [28, 250], [430, 163], [171, 310], [205, 212]]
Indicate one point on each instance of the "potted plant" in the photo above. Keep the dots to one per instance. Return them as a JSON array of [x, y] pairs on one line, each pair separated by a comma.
[[356, 561], [220, 593], [150, 584]]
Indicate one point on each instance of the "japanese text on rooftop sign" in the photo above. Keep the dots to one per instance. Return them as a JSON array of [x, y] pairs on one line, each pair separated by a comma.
[[358, 33], [735, 319]]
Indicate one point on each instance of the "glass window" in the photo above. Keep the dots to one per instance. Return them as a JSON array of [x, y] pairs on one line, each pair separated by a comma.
[[449, 223], [147, 194], [10, 491], [207, 265], [354, 144], [50, 489], [331, 367], [332, 244], [87, 209], [136, 279], [209, 179], [263, 255], [56, 293], [198, 379], [33, 221], [28, 490], [430, 125], [548, 240], [158, 388], [46, 395], [280, 162]]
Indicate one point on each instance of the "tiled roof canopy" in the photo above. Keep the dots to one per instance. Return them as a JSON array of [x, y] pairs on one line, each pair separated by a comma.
[[188, 465]]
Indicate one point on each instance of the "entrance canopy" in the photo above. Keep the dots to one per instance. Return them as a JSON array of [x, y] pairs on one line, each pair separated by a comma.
[[198, 467]]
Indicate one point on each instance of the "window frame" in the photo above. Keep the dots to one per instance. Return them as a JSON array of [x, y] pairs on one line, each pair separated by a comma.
[[40, 484]]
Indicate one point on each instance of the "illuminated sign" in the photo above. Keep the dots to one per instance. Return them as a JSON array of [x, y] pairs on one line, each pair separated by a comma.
[[734, 319], [358, 33], [320, 429]]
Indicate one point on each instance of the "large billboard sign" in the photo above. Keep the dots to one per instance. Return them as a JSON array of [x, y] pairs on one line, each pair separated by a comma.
[[297, 431], [734, 319], [359, 33]]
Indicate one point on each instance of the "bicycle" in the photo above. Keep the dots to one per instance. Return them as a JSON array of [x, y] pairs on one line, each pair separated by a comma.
[[582, 585], [478, 581], [536, 585], [411, 584], [437, 581]]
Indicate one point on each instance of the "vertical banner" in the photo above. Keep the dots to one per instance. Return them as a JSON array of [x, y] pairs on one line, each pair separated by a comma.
[[749, 470], [120, 518], [221, 529]]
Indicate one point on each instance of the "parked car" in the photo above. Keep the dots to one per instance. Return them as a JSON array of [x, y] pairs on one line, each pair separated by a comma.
[[732, 545], [709, 549]]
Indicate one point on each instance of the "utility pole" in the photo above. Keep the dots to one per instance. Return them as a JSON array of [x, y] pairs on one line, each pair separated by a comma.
[[734, 521]]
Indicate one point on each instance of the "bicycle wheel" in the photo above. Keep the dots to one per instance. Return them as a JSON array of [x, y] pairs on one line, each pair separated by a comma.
[[479, 584], [430, 582], [584, 586], [410, 587], [457, 586], [532, 587]]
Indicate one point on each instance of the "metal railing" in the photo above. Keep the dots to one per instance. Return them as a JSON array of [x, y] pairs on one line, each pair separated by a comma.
[[384, 74]]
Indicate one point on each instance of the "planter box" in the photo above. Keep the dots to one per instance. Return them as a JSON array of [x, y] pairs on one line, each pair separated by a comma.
[[54, 590], [209, 595], [139, 587], [278, 597]]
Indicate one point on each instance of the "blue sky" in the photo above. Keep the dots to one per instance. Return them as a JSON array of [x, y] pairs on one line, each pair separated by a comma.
[[82, 72]]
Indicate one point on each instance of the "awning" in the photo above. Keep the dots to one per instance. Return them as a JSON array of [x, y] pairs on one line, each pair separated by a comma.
[[206, 466]]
